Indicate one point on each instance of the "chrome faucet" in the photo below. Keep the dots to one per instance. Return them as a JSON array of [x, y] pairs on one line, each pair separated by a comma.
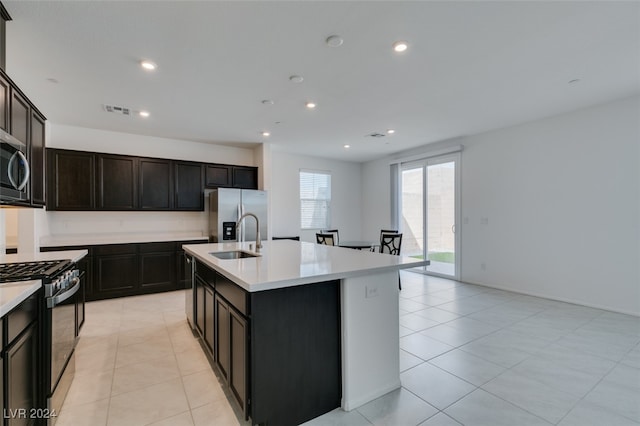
[[258, 240]]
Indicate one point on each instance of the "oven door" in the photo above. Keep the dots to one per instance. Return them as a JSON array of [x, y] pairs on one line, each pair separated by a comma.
[[61, 313], [14, 169]]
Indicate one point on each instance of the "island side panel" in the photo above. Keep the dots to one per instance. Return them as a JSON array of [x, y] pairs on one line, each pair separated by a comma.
[[295, 353], [370, 338]]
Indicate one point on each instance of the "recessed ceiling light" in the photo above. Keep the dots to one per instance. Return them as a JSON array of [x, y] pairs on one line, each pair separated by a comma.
[[267, 102], [400, 46], [144, 114], [265, 134], [347, 146], [148, 65], [310, 105], [296, 79], [390, 131], [334, 41]]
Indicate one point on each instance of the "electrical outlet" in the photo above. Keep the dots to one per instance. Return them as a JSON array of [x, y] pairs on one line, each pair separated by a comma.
[[370, 292]]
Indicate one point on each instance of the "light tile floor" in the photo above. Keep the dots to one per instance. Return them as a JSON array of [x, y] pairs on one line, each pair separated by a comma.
[[469, 355]]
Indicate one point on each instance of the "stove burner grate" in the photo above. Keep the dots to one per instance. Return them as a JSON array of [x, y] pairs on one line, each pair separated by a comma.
[[30, 270]]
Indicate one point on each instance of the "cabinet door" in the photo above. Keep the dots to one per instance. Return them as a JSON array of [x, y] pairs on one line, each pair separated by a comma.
[[5, 88], [245, 177], [156, 192], [208, 318], [217, 176], [70, 180], [239, 347], [21, 369], [189, 190], [116, 271], [20, 114], [157, 267], [37, 160], [200, 312], [222, 336], [117, 182]]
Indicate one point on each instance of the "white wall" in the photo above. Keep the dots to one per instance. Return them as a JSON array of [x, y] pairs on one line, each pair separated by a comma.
[[562, 198], [346, 212], [84, 139]]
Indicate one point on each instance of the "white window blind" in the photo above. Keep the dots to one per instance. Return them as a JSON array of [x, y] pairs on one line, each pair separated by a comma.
[[315, 199]]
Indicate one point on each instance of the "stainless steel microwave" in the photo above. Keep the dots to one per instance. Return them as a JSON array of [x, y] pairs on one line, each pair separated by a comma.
[[14, 169]]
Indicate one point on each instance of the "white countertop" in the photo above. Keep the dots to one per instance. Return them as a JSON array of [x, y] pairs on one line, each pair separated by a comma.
[[285, 263], [73, 255], [118, 238], [12, 294]]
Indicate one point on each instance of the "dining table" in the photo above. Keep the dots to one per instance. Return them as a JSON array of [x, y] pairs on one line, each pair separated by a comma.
[[358, 245]]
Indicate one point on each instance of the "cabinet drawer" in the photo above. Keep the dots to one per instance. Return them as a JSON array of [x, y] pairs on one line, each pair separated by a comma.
[[115, 249], [233, 293], [19, 318], [156, 247], [205, 274]]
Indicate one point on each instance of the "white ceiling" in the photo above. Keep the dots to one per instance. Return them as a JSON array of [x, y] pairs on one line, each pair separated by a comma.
[[470, 67]]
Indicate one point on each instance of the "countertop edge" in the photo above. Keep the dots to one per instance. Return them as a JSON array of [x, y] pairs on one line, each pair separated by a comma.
[[102, 239], [295, 281], [72, 255], [22, 290]]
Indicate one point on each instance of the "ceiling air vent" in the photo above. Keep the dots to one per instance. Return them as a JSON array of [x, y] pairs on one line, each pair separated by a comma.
[[376, 135], [118, 109]]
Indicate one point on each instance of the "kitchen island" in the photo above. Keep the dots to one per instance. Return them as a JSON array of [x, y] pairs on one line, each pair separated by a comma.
[[321, 325]]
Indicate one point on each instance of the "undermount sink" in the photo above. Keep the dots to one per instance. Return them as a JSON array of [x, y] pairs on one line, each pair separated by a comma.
[[234, 254]]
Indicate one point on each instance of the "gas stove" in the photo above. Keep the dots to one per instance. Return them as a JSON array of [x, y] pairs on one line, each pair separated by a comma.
[[21, 271]]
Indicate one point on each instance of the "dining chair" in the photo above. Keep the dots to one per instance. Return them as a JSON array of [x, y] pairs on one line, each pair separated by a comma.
[[326, 239], [336, 240], [375, 247], [391, 243]]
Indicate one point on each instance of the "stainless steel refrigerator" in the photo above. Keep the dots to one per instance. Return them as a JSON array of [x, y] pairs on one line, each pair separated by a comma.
[[226, 205]]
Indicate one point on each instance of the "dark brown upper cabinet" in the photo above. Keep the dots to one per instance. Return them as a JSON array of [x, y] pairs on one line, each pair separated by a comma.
[[20, 117], [156, 184], [226, 176], [217, 175], [37, 161], [245, 177], [70, 180], [5, 89], [117, 182], [78, 180], [189, 190]]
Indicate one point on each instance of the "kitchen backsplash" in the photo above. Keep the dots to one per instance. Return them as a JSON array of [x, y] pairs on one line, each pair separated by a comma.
[[71, 223]]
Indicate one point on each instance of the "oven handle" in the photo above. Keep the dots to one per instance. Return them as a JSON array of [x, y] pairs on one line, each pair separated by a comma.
[[52, 302]]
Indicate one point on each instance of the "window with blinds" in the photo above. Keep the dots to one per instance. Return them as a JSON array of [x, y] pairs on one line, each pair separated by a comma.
[[315, 199]]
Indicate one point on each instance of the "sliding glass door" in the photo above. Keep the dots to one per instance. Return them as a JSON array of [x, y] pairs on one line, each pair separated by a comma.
[[429, 212]]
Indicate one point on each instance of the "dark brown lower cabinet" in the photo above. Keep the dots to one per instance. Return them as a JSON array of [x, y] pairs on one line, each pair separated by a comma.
[[157, 266], [222, 336], [21, 379], [20, 393], [208, 317], [116, 270], [278, 351], [239, 357], [200, 312]]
